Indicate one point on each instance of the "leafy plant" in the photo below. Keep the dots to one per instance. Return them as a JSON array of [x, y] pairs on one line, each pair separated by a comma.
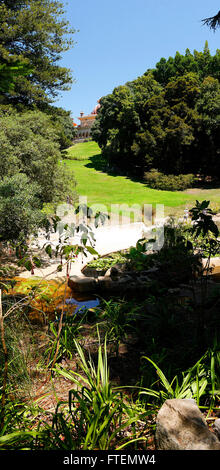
[[70, 330], [104, 263], [22, 425], [99, 412], [118, 317], [198, 381]]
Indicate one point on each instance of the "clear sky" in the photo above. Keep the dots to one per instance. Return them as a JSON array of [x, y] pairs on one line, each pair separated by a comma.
[[118, 40]]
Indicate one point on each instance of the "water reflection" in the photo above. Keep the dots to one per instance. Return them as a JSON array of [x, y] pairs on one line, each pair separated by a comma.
[[82, 305]]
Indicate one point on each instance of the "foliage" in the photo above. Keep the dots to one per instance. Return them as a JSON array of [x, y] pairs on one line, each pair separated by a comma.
[[8, 73], [63, 125], [202, 218], [117, 319], [29, 151], [98, 411], [97, 414], [167, 119], [202, 63], [204, 233], [106, 262], [29, 145], [198, 381], [70, 331], [158, 180], [175, 258], [18, 433], [20, 209], [35, 32]]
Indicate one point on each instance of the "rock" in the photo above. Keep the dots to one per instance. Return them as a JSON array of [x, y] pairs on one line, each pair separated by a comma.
[[181, 426], [93, 272], [82, 284], [105, 283], [216, 428], [116, 270], [114, 286], [114, 273]]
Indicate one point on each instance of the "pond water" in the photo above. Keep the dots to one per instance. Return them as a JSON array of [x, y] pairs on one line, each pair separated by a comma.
[[81, 306]]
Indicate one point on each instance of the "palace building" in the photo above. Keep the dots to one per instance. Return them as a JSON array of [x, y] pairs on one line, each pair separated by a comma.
[[86, 122]]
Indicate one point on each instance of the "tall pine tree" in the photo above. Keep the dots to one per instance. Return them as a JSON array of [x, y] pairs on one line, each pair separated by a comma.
[[35, 32]]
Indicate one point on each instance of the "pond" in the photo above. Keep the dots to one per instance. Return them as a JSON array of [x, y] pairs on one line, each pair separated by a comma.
[[46, 297], [83, 305]]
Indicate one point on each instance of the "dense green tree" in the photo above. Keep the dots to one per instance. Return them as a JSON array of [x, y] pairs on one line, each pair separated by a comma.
[[201, 63], [9, 72], [29, 145], [169, 129], [121, 116], [168, 119], [208, 139], [36, 32], [20, 209], [63, 123]]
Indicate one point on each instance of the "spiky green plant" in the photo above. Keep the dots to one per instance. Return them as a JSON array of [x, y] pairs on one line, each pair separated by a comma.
[[198, 381], [100, 413]]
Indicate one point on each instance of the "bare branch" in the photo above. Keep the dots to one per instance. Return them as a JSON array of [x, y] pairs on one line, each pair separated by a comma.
[[213, 22]]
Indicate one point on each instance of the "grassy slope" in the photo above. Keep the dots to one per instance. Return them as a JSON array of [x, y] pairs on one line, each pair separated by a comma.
[[102, 188]]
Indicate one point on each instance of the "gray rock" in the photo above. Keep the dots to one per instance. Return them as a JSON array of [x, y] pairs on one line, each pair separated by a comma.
[[181, 426], [118, 285], [105, 282], [93, 272], [216, 428], [82, 284]]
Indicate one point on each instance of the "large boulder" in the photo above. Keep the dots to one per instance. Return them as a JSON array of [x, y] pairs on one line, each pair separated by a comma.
[[181, 426]]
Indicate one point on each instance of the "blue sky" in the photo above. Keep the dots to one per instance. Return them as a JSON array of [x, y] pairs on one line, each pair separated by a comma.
[[118, 40]]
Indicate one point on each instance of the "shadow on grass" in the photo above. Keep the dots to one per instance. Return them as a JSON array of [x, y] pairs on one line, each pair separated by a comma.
[[98, 163]]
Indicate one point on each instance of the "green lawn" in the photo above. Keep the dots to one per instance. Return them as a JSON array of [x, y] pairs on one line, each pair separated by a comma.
[[102, 188]]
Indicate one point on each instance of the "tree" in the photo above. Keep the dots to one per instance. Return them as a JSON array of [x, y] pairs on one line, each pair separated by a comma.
[[208, 139], [63, 124], [168, 133], [213, 22], [20, 209], [202, 63], [167, 119], [121, 116], [29, 145], [9, 72], [36, 32]]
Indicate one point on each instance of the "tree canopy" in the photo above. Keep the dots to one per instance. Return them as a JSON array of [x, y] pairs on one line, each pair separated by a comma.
[[35, 32], [167, 119], [33, 36]]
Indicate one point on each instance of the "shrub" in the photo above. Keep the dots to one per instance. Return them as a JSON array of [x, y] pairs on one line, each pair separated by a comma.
[[20, 210], [29, 144], [157, 180], [107, 262]]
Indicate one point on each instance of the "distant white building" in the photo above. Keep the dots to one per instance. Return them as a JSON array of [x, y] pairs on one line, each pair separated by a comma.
[[86, 122]]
